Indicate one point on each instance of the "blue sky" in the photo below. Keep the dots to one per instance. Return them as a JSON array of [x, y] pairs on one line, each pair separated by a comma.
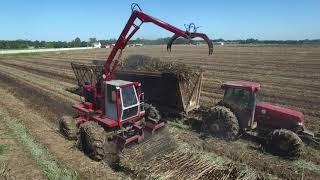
[[104, 19]]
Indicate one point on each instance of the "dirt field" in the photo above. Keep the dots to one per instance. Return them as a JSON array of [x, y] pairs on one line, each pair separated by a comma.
[[290, 76]]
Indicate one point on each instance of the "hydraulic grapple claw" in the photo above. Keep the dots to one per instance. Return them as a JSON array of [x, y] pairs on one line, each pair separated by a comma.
[[192, 36], [172, 39]]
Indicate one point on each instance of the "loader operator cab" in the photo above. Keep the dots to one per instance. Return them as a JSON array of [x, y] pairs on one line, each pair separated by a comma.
[[122, 100], [241, 98]]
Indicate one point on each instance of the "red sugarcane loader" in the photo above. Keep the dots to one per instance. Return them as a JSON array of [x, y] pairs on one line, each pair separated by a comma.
[[113, 112]]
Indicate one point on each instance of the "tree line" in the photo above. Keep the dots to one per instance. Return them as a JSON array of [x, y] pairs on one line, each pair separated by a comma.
[[24, 44], [77, 42]]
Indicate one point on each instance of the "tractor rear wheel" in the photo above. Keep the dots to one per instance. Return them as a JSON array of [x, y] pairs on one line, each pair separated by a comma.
[[92, 140], [221, 122], [284, 143], [68, 128]]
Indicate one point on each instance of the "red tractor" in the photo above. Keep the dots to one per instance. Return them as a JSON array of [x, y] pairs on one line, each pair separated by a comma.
[[241, 112], [113, 112]]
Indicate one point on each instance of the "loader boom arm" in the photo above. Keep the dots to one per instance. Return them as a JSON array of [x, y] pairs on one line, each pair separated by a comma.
[[111, 63]]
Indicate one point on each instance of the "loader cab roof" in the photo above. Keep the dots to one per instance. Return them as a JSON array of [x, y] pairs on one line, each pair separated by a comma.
[[248, 85], [119, 83]]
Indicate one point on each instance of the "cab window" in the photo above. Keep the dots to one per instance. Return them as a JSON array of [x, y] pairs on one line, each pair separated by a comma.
[[237, 96], [129, 102], [129, 96]]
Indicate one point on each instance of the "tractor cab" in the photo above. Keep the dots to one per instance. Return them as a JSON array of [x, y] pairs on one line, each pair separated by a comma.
[[240, 96], [119, 103], [123, 101]]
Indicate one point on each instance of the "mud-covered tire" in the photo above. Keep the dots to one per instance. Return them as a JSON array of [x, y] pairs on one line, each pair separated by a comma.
[[92, 140], [284, 143], [221, 122], [68, 127], [152, 113]]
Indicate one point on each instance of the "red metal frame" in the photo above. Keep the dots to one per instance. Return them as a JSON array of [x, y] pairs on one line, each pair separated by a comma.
[[138, 137], [154, 126]]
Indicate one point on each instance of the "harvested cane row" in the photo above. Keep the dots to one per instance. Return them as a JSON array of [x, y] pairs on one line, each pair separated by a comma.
[[164, 156], [178, 165]]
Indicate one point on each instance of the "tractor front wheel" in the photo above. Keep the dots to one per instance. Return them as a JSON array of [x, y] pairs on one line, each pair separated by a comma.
[[68, 128], [221, 122], [284, 143], [92, 140]]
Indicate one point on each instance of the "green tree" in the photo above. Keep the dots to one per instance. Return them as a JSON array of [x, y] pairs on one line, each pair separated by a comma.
[[76, 42], [36, 44], [84, 44], [92, 40], [42, 44]]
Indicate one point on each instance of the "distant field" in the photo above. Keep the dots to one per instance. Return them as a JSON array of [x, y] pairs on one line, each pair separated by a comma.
[[21, 51], [289, 75]]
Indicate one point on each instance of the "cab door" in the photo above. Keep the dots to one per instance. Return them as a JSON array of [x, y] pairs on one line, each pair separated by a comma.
[[130, 106]]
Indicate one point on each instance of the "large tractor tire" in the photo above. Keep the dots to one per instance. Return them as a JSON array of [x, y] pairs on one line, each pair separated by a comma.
[[92, 140], [221, 122], [68, 128], [284, 143]]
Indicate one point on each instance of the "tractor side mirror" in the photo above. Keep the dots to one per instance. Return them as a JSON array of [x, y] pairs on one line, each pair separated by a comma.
[[113, 96]]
